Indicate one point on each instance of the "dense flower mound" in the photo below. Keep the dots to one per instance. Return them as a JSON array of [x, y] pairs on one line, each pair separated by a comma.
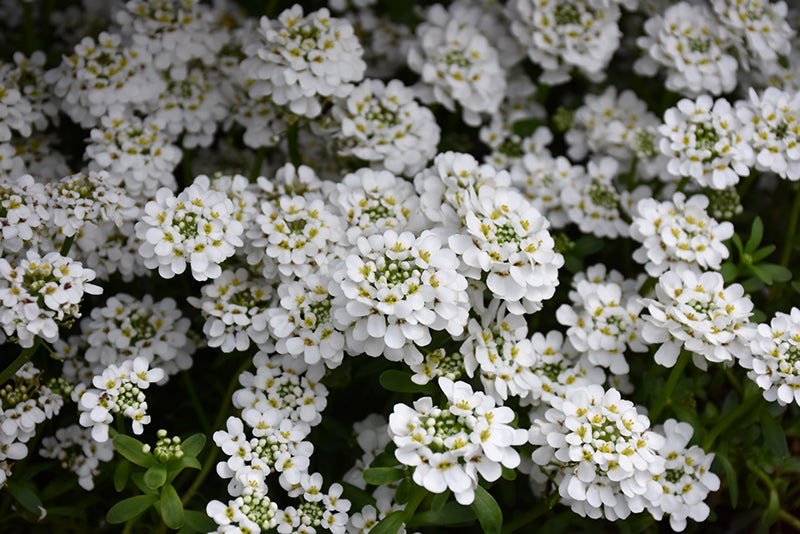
[[774, 356], [451, 447]]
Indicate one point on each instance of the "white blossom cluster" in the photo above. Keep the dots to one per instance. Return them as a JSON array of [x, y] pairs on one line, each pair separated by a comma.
[[78, 452]]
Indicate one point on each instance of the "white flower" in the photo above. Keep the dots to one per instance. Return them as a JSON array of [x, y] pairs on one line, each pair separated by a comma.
[[383, 125], [451, 447], [196, 227], [28, 74], [298, 60], [695, 311], [761, 27], [302, 324], [104, 77], [566, 34], [23, 205], [392, 289], [39, 292], [451, 183], [676, 232], [372, 202], [603, 322], [705, 140], [457, 65], [542, 178], [775, 133], [251, 512], [691, 45], [75, 449], [773, 357], [599, 451], [505, 237], [316, 508], [687, 478], [16, 112], [498, 347]]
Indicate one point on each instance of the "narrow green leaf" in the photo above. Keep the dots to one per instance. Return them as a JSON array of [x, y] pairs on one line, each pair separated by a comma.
[[731, 477], [121, 474], [756, 235], [738, 244], [403, 492], [193, 445], [773, 509], [761, 273], [131, 449], [389, 524], [26, 496], [451, 514], [400, 382], [138, 481], [199, 521], [762, 253], [774, 436], [729, 271], [155, 476], [129, 508], [171, 507], [439, 500], [779, 273], [174, 467], [385, 459], [382, 475], [487, 511]]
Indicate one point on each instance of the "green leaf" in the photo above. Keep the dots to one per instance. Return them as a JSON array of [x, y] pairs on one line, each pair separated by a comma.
[[385, 459], [383, 475], [138, 481], [174, 467], [451, 514], [389, 524], [731, 476], [762, 253], [193, 445], [155, 476], [171, 507], [762, 275], [487, 511], [439, 500], [129, 508], [729, 271], [779, 273], [774, 436], [772, 511], [403, 492], [738, 244], [121, 474], [756, 234], [26, 496], [131, 449], [508, 474], [199, 521], [400, 382]]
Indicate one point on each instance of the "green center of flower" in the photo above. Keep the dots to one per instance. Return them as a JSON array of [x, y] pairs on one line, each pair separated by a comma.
[[143, 328], [379, 113], [698, 44], [443, 424], [311, 513], [243, 298], [258, 510], [706, 138], [505, 233], [551, 370], [457, 58], [448, 365], [318, 313], [645, 143], [673, 476], [567, 13], [376, 211], [511, 148], [186, 222], [392, 272], [603, 196]]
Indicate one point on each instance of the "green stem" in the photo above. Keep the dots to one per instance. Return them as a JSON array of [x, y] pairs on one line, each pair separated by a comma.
[[186, 167], [666, 392], [792, 228], [255, 170], [294, 151], [21, 360], [129, 526], [210, 461], [789, 518], [66, 245], [731, 417]]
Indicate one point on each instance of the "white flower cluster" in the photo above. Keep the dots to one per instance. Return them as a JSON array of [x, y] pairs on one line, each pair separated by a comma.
[[393, 289], [298, 59], [705, 140], [773, 361], [696, 312], [451, 447], [25, 402], [126, 328], [235, 306], [196, 227], [775, 137], [382, 124], [599, 451], [118, 390], [39, 293], [676, 232], [78, 452], [457, 65], [23, 213], [603, 321]]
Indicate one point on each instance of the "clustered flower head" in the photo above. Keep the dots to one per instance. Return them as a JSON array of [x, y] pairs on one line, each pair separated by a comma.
[[197, 227], [453, 446], [774, 356]]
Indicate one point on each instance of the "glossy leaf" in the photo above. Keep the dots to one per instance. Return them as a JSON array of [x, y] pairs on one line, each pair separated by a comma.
[[382, 475], [171, 507], [131, 449], [129, 508], [774, 436], [198, 521], [487, 511], [155, 476], [121, 474], [389, 525], [193, 445]]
